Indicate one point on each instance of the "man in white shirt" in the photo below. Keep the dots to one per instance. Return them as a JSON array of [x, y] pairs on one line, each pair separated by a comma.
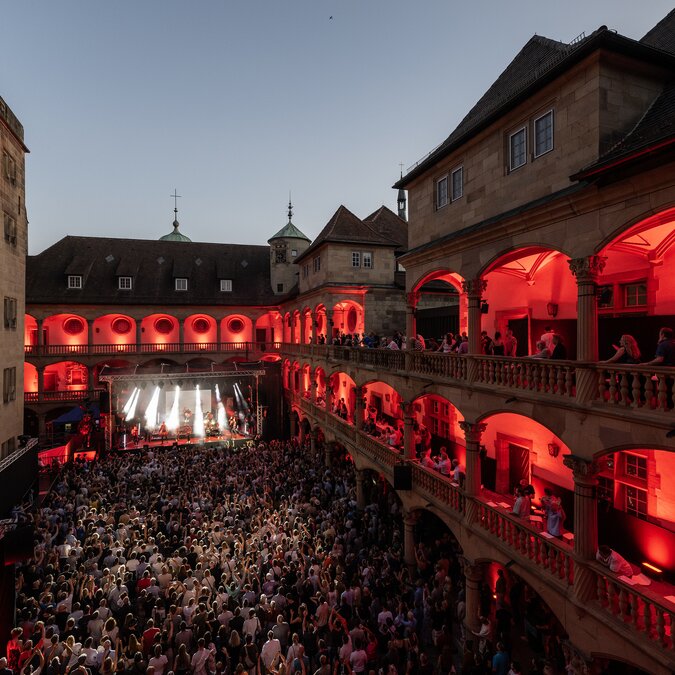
[[270, 650]]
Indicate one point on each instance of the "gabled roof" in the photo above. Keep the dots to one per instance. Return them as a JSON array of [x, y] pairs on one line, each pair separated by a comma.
[[153, 266], [653, 132], [662, 36], [540, 61], [346, 228], [388, 224]]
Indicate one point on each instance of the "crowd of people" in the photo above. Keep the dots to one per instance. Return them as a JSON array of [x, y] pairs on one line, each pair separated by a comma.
[[203, 561]]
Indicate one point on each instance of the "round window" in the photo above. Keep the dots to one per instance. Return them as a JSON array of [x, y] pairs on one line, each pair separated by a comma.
[[121, 326], [164, 325], [235, 325], [73, 326], [201, 326]]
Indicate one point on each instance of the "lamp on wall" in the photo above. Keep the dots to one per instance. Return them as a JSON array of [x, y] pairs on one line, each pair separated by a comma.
[[484, 307], [553, 449], [552, 309]]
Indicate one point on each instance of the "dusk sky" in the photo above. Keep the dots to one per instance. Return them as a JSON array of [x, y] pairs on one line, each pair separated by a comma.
[[236, 103]]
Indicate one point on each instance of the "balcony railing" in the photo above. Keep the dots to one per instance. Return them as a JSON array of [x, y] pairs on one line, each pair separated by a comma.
[[618, 386], [151, 348], [634, 606], [56, 396]]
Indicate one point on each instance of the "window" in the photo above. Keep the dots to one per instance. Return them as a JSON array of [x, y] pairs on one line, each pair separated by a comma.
[[635, 501], [356, 259], [280, 254], [635, 295], [543, 134], [606, 490], [457, 183], [226, 285], [441, 192], [124, 283], [74, 281], [317, 263], [435, 407], [280, 288], [9, 385], [636, 466], [517, 149], [181, 284], [10, 313], [294, 253], [9, 167], [10, 230], [305, 271], [368, 260], [606, 296]]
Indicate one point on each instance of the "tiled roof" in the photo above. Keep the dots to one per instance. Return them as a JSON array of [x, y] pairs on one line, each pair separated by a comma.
[[289, 231], [538, 62], [662, 36], [387, 223], [153, 266], [345, 228], [655, 129]]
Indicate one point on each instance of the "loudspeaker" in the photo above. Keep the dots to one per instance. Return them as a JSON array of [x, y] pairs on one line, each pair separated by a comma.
[[104, 401], [402, 477]]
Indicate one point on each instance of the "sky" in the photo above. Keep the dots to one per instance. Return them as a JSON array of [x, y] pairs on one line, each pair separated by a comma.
[[236, 103]]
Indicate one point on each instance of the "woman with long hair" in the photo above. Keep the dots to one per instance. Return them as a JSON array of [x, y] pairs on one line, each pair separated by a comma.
[[627, 352]]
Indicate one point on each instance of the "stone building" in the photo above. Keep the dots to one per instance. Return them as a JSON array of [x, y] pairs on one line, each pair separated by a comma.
[[550, 209]]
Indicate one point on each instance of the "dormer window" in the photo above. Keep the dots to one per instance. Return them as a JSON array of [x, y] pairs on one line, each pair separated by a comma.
[[226, 285], [294, 253], [124, 283], [74, 281], [181, 284]]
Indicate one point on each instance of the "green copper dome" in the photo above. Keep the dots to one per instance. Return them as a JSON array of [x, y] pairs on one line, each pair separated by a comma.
[[175, 235]]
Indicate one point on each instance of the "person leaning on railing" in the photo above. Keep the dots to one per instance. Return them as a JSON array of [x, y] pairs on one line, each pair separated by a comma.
[[626, 352]]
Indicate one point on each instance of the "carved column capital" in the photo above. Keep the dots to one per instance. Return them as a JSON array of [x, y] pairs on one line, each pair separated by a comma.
[[582, 469], [473, 430], [474, 286], [588, 268]]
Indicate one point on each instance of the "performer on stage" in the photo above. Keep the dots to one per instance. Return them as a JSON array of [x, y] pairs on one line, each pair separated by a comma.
[[85, 428], [134, 434], [162, 431]]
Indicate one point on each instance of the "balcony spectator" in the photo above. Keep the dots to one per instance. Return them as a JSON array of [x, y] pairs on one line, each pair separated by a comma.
[[616, 563], [542, 351], [463, 347], [665, 349], [447, 344], [498, 346], [485, 343], [444, 465], [510, 344], [547, 338], [457, 471], [559, 350], [555, 517], [626, 352], [522, 505], [392, 344], [421, 342]]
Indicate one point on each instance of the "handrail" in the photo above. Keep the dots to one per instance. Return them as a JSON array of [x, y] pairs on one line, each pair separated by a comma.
[[150, 348], [14, 456]]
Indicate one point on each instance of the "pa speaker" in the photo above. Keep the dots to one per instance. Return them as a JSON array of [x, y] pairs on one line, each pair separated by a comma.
[[402, 477], [104, 401]]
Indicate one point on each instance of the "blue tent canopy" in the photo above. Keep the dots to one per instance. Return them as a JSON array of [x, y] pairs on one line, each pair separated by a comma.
[[76, 414]]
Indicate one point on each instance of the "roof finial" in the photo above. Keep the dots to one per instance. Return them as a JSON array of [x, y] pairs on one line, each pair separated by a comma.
[[176, 197], [290, 207], [401, 165]]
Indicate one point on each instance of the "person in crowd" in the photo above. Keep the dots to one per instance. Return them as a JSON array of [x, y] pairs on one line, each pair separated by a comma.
[[559, 350], [463, 347], [547, 338], [555, 517], [392, 344], [485, 343], [510, 344], [627, 351], [447, 343], [665, 349], [522, 505], [542, 351], [498, 347]]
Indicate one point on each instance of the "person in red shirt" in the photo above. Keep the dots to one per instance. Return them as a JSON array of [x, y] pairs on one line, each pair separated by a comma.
[[144, 581], [149, 636]]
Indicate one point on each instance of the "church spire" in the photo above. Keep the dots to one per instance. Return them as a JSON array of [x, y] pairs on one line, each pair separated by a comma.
[[290, 208], [402, 201]]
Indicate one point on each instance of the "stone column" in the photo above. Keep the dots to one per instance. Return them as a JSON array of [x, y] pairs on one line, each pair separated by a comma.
[[294, 429], [474, 291], [585, 505], [303, 321], [329, 398], [410, 317], [42, 426], [90, 378], [139, 334], [408, 437], [312, 441], [312, 328], [40, 381], [328, 454], [181, 333], [90, 335], [313, 386], [293, 329], [585, 523], [219, 333], [40, 335], [329, 326], [360, 494], [473, 575], [587, 270], [358, 408], [472, 433], [409, 520]]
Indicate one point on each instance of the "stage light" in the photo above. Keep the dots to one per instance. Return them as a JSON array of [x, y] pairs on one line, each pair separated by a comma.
[[198, 426], [127, 406], [151, 410], [221, 416], [134, 402], [173, 421]]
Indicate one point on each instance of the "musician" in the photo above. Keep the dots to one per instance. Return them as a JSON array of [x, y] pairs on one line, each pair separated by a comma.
[[162, 431], [134, 434], [85, 428]]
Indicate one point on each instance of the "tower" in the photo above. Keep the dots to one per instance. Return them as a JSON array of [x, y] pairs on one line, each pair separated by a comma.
[[402, 203], [285, 246]]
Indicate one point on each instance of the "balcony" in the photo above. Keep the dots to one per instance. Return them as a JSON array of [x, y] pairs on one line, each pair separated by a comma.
[[607, 386], [628, 608], [152, 348], [60, 396]]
